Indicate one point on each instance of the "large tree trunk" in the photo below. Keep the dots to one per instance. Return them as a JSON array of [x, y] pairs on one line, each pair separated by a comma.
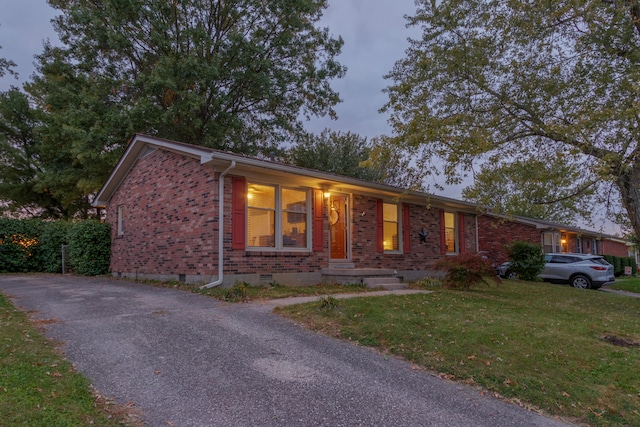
[[629, 186]]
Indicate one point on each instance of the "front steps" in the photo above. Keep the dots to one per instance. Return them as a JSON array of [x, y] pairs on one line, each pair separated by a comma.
[[371, 277]]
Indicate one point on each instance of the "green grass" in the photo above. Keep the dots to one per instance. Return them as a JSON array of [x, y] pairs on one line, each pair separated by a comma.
[[243, 292], [629, 284], [544, 346], [40, 388]]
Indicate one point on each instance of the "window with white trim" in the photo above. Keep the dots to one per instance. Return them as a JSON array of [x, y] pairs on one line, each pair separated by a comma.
[[120, 220], [277, 217], [450, 232], [551, 242], [391, 227]]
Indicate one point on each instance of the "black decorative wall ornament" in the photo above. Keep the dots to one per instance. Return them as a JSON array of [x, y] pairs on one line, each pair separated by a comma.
[[423, 236]]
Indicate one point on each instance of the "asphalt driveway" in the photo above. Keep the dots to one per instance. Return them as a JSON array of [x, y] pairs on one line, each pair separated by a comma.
[[189, 360]]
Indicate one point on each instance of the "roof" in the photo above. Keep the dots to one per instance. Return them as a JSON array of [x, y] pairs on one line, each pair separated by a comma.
[[252, 166], [255, 167]]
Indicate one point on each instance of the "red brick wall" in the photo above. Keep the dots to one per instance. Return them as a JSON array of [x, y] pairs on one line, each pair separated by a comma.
[[614, 248], [495, 233], [171, 228], [170, 224]]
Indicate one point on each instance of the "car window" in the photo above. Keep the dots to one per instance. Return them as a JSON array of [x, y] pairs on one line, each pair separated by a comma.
[[560, 259], [600, 261]]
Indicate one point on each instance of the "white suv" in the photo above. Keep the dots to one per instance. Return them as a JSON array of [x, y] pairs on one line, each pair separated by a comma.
[[579, 270]]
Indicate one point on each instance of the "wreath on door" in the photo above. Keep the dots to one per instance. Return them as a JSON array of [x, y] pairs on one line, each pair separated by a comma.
[[333, 215]]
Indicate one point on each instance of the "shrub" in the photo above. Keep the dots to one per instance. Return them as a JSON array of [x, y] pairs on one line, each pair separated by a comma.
[[54, 235], [237, 293], [90, 247], [427, 283], [527, 259], [466, 270], [19, 245]]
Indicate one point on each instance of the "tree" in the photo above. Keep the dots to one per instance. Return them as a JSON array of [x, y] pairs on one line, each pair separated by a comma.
[[236, 75], [350, 154], [6, 67], [21, 188], [544, 189], [494, 81], [335, 152]]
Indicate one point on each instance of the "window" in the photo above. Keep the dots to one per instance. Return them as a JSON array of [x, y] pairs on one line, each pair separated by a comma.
[[551, 242], [294, 218], [120, 220], [277, 217], [450, 232], [390, 227]]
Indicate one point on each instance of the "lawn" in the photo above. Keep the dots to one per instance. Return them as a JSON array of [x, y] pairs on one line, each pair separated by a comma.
[[629, 284], [39, 388], [568, 352]]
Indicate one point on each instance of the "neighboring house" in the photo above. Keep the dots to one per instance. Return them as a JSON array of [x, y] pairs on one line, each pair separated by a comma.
[[285, 224], [499, 230]]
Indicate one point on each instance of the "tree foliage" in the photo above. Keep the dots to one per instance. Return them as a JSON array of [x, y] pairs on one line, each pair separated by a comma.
[[527, 259], [335, 152], [22, 187], [496, 81], [6, 66], [236, 75], [350, 154], [542, 189]]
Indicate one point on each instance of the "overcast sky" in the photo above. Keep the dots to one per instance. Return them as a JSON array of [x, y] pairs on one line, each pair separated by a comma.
[[374, 34]]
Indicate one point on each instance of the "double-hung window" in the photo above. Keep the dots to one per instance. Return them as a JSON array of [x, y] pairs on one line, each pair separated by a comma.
[[277, 217], [391, 227], [450, 232]]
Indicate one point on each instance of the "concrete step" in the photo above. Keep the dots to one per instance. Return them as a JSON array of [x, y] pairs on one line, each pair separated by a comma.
[[390, 283]]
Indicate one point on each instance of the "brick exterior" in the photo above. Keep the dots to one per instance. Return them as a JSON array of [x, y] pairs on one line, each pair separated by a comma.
[[615, 248], [170, 231], [495, 233], [171, 227], [170, 221]]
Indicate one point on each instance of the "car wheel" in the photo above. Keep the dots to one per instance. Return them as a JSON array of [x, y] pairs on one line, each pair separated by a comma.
[[581, 282], [511, 275]]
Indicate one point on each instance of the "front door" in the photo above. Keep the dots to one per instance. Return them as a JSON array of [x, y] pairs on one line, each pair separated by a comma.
[[339, 230]]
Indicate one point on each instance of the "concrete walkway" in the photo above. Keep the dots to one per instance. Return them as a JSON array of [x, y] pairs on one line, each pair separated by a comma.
[[188, 360], [282, 302]]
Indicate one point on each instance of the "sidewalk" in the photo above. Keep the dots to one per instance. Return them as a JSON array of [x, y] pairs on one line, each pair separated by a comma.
[[282, 302]]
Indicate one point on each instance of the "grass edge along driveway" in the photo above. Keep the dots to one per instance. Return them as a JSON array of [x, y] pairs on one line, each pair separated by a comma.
[[569, 352], [38, 387]]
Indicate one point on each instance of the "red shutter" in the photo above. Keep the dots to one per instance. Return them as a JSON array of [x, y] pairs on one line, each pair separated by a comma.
[[379, 226], [318, 222], [406, 229], [443, 238], [238, 208], [461, 241]]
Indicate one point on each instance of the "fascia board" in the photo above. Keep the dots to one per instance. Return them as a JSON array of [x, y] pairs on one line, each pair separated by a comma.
[[251, 166]]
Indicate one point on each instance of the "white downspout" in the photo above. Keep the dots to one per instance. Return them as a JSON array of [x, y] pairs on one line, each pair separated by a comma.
[[220, 228]]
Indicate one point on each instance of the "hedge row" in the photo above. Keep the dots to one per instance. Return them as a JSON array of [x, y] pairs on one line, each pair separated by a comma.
[[619, 263], [33, 245]]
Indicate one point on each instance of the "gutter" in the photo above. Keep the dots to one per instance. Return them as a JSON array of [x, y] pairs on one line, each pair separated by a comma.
[[220, 228]]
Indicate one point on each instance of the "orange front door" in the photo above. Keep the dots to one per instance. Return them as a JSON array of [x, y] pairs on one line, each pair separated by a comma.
[[339, 230]]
